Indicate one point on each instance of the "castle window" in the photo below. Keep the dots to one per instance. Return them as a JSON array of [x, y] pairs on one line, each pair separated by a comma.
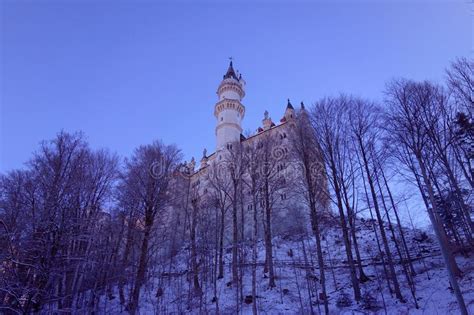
[[283, 196], [229, 146], [222, 118], [249, 207]]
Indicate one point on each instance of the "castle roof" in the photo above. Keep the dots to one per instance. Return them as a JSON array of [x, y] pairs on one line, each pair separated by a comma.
[[289, 106], [230, 72]]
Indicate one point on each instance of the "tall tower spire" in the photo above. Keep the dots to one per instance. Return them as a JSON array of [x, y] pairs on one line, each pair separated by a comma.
[[290, 111], [229, 110], [230, 72]]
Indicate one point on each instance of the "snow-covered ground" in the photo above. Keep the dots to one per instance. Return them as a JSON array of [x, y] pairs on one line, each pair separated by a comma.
[[298, 288]]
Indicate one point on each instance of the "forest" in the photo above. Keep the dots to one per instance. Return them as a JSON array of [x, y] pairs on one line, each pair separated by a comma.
[[85, 231]]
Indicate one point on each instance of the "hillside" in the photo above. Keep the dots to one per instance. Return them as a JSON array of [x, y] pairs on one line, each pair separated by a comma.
[[295, 265]]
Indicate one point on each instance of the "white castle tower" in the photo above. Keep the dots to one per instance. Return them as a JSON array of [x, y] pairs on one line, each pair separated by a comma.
[[229, 110]]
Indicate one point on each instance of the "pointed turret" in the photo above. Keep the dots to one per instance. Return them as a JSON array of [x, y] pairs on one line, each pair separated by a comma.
[[229, 110], [230, 72], [289, 112], [289, 106]]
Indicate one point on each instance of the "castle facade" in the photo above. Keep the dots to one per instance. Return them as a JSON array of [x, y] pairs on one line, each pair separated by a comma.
[[272, 138]]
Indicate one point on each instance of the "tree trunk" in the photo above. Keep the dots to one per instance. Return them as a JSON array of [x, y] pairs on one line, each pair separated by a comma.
[[447, 255], [319, 250], [268, 239], [235, 240], [221, 245], [254, 257], [126, 253], [391, 267], [142, 265], [397, 247], [351, 219], [194, 264], [345, 234], [400, 228]]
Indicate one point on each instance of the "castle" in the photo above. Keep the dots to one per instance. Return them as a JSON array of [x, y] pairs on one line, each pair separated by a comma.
[[229, 113]]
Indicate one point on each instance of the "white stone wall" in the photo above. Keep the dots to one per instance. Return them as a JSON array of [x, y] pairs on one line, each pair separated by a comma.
[[229, 119], [232, 95], [228, 127]]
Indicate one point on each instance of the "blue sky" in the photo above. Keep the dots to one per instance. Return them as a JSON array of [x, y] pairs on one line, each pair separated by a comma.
[[126, 73]]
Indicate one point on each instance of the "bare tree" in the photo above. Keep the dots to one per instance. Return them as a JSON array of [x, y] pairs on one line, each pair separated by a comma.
[[313, 186], [195, 208], [363, 116], [460, 79], [232, 162], [253, 186], [272, 185], [147, 177], [327, 118], [219, 188], [408, 121], [53, 213]]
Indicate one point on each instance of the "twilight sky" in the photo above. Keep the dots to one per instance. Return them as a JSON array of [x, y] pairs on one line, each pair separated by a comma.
[[127, 73]]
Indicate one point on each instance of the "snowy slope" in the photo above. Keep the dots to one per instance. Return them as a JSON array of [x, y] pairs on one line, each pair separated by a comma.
[[297, 280]]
